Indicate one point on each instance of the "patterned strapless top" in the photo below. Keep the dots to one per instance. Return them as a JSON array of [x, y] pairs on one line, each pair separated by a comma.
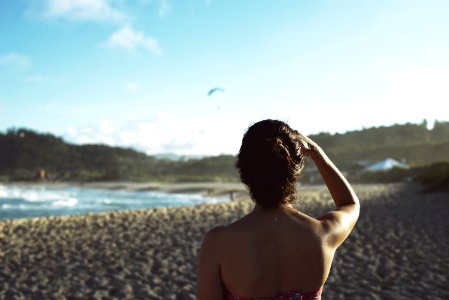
[[292, 295]]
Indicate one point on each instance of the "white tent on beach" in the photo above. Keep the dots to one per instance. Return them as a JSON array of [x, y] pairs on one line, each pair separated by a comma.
[[385, 165]]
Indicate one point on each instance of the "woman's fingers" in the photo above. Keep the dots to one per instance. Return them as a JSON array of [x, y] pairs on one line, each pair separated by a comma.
[[306, 145]]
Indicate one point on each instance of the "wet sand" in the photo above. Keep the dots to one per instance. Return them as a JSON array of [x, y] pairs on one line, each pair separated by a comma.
[[397, 251]]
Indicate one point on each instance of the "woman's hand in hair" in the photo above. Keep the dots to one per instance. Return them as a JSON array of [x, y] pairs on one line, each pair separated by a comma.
[[307, 147]]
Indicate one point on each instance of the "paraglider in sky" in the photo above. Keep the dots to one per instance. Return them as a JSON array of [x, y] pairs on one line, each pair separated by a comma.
[[215, 89]]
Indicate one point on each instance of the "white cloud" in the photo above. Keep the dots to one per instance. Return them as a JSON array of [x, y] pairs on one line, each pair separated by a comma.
[[403, 96], [99, 134], [133, 87], [96, 10], [15, 59], [127, 38], [428, 83], [163, 134], [106, 127], [419, 93], [36, 78], [164, 8], [40, 79]]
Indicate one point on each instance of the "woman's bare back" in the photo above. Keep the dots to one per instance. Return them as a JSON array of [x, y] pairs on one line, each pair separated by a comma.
[[267, 253]]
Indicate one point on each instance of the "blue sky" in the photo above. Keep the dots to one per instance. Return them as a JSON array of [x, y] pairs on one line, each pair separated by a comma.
[[136, 73]]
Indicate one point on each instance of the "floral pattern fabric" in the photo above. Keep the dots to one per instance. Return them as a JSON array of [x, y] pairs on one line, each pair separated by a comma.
[[292, 295]]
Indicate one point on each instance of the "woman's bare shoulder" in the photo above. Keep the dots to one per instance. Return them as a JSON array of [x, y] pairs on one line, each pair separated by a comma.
[[220, 232], [224, 233], [215, 233], [216, 239]]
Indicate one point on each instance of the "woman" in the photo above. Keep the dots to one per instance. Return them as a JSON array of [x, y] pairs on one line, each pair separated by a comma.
[[276, 251]]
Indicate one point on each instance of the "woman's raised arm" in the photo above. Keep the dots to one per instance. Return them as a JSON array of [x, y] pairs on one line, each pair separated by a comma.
[[338, 223]]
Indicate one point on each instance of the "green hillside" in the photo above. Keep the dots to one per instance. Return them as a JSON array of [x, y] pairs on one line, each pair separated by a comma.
[[24, 152], [410, 143]]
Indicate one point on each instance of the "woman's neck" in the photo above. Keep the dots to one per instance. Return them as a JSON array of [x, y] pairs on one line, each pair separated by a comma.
[[281, 209]]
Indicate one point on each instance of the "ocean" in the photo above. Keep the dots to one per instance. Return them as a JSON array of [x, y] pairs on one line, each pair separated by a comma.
[[39, 201]]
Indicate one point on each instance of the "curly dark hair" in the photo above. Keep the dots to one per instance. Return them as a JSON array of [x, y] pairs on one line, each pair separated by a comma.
[[269, 162]]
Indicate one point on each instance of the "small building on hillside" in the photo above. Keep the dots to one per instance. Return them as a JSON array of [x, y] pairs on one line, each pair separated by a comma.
[[385, 165]]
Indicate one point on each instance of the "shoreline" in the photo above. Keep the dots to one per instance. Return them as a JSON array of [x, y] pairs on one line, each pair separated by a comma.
[[148, 193], [203, 188]]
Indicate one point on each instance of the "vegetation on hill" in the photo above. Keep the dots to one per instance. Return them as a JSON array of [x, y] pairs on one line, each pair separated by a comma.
[[24, 152], [435, 177], [413, 144]]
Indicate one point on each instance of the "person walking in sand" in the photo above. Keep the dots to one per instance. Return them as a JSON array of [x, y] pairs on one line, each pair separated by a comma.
[[276, 251]]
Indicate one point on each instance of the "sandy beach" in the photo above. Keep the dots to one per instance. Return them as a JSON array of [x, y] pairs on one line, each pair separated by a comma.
[[399, 249]]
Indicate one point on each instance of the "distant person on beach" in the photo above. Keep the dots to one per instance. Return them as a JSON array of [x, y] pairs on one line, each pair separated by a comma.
[[276, 251]]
